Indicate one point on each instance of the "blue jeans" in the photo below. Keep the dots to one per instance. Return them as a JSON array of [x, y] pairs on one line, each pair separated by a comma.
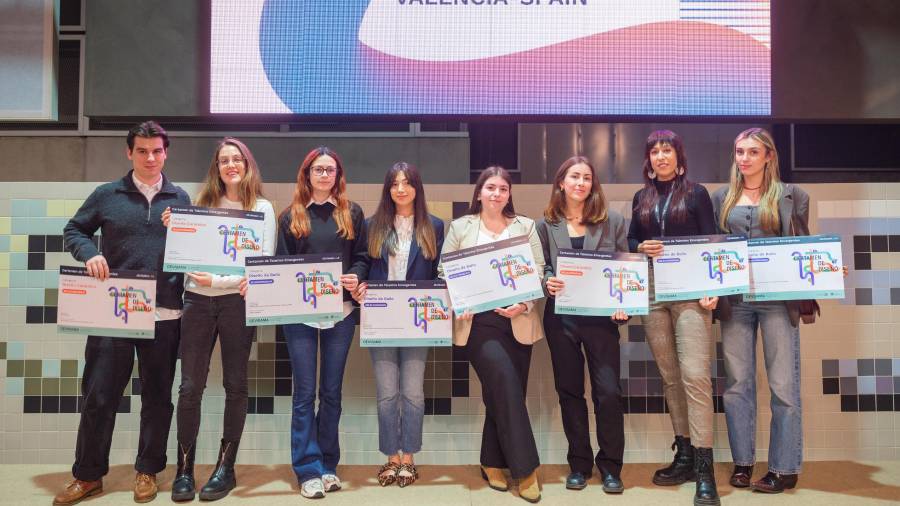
[[314, 436], [781, 347], [399, 387]]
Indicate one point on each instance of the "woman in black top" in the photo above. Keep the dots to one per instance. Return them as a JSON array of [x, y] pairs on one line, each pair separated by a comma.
[[678, 332], [321, 220], [578, 217]]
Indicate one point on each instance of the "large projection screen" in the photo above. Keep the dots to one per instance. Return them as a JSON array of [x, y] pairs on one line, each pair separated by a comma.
[[491, 57]]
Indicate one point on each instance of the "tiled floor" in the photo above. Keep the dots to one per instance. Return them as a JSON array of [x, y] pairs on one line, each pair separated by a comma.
[[823, 483]]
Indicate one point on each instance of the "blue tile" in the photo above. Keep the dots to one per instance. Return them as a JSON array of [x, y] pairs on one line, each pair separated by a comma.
[[15, 386], [847, 367], [19, 226], [50, 368], [35, 297], [896, 367], [18, 296], [4, 243], [879, 226], [861, 279], [19, 207], [881, 279], [893, 226], [881, 296], [18, 261], [35, 279], [15, 350], [18, 278], [51, 279], [37, 207], [865, 385]]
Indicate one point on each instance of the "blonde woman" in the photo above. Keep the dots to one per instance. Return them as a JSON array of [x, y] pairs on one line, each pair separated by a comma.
[[214, 309]]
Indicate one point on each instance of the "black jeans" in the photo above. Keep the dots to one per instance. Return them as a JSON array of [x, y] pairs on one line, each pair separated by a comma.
[[204, 319], [107, 369], [501, 364], [599, 336]]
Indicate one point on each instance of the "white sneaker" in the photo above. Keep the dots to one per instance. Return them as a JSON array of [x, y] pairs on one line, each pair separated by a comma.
[[331, 482], [312, 489]]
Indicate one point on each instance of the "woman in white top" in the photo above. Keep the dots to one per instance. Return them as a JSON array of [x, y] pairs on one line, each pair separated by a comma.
[[214, 308], [404, 244]]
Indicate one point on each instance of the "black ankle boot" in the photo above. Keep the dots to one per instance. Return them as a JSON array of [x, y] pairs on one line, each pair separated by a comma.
[[222, 480], [706, 494], [183, 486], [682, 467]]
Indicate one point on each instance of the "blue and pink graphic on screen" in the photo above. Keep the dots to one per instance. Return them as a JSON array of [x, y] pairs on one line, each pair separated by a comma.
[[622, 280], [541, 57], [127, 300], [722, 261], [510, 268], [813, 262], [426, 309], [316, 284]]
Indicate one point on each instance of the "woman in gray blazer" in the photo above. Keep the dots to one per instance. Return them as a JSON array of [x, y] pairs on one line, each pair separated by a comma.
[[498, 343], [578, 217]]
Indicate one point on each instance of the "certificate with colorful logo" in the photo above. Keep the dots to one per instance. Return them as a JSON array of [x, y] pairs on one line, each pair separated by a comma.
[[791, 268], [211, 239], [294, 289], [697, 266], [599, 283], [124, 305], [492, 275], [406, 313]]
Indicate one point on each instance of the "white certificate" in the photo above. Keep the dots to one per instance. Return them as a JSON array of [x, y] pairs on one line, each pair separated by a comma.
[[696, 266], [791, 268], [492, 275], [599, 283], [406, 313], [294, 289], [210, 239], [122, 306]]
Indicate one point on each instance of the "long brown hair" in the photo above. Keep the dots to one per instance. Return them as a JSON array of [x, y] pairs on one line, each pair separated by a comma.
[[381, 226], [251, 184], [300, 226], [595, 207], [770, 191], [680, 185], [494, 170]]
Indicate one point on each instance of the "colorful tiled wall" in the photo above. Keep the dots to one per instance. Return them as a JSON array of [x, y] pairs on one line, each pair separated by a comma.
[[40, 369]]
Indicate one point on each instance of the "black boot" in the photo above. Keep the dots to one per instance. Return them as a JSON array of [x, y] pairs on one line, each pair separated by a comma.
[[682, 467], [222, 480], [183, 486], [706, 494]]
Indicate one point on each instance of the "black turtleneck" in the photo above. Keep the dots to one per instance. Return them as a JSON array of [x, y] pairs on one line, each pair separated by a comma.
[[700, 218]]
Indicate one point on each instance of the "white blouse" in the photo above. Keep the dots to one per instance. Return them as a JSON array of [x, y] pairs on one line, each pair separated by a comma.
[[399, 261]]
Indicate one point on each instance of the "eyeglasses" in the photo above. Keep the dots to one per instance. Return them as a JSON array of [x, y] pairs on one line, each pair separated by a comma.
[[237, 160], [322, 171]]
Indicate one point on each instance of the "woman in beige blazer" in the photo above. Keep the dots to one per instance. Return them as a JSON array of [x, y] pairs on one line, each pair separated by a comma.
[[498, 343]]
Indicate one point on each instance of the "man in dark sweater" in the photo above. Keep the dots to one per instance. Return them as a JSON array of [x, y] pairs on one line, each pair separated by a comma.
[[128, 214]]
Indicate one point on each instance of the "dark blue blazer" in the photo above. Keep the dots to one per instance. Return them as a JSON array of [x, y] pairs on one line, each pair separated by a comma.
[[418, 267]]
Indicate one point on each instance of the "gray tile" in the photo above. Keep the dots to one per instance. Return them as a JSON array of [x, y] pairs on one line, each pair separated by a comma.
[[847, 367], [884, 385], [895, 296], [848, 386], [830, 368], [865, 367], [863, 296], [882, 367], [881, 296]]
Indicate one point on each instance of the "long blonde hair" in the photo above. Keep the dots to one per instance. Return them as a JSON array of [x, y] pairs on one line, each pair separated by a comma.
[[770, 190], [300, 226], [251, 184]]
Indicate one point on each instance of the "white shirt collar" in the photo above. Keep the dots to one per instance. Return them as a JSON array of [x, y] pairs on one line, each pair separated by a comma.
[[329, 199], [157, 186]]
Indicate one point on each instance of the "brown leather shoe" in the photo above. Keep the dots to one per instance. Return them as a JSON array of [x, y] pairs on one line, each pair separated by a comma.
[[145, 487], [76, 491]]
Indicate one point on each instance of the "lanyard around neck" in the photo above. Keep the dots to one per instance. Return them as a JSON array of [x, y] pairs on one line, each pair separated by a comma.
[[665, 212]]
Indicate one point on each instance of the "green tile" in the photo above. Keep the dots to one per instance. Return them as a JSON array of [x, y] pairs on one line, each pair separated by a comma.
[[32, 386], [50, 296], [15, 368], [32, 368], [50, 386], [68, 386], [2, 350], [68, 369], [265, 387]]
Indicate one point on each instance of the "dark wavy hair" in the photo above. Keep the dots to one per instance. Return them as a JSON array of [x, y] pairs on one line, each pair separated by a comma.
[[681, 187], [381, 226]]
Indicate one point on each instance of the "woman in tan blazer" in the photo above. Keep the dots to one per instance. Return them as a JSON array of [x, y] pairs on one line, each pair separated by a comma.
[[498, 343]]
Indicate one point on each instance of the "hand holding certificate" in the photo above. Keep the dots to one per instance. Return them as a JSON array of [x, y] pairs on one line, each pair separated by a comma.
[[792, 268], [212, 240], [294, 289], [123, 305], [700, 266], [406, 313], [600, 283], [491, 276]]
